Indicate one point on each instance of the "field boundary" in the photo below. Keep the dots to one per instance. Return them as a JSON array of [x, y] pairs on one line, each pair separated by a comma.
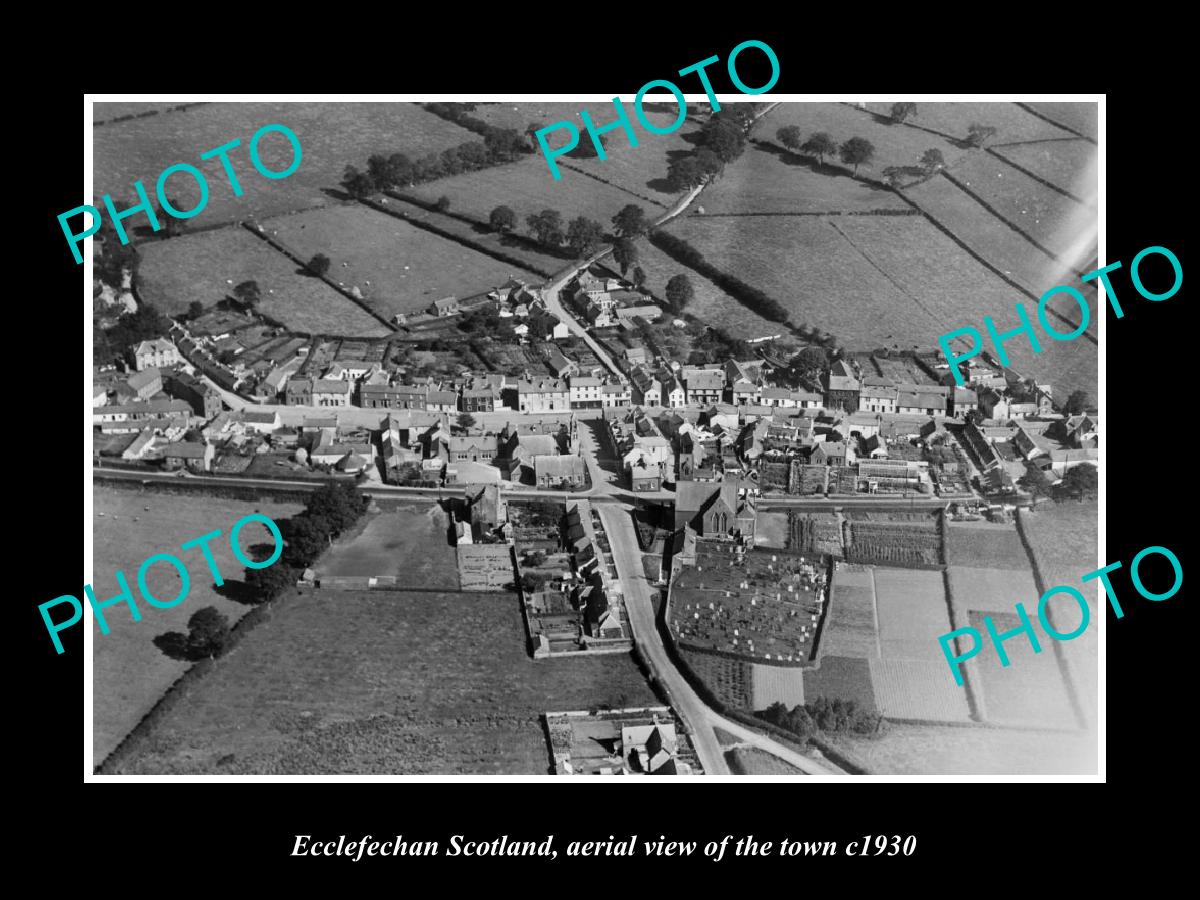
[[845, 237], [836, 212], [613, 184], [1040, 180], [974, 700], [183, 107], [1059, 654], [279, 246], [1045, 118]]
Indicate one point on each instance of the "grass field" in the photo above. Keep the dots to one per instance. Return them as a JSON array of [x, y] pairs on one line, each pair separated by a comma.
[[991, 590], [1067, 164], [527, 187], [639, 170], [129, 672], [767, 179], [918, 689], [984, 545], [953, 119], [1064, 540], [777, 684], [895, 145], [1080, 117], [912, 613], [383, 683], [1056, 222], [948, 750], [410, 541], [206, 266], [710, 303], [331, 135], [407, 267], [1030, 690], [844, 677], [752, 761]]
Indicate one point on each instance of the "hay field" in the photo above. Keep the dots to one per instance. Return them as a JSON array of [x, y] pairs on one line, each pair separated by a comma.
[[206, 266], [1080, 117], [991, 590], [331, 135], [985, 545], [1063, 163], [850, 628], [407, 267], [842, 677], [1030, 690], [129, 672], [912, 613], [382, 683]]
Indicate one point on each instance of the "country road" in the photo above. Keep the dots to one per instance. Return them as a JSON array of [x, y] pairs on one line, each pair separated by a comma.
[[702, 720]]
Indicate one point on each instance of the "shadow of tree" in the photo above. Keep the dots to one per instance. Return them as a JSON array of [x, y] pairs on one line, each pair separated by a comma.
[[237, 591], [175, 645], [336, 193], [818, 168], [662, 185]]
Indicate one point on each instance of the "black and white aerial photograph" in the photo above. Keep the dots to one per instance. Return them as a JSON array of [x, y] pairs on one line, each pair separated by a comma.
[[478, 438]]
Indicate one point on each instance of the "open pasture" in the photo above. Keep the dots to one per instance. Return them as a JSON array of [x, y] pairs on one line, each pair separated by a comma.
[[407, 267], [1012, 123], [207, 266], [331, 135]]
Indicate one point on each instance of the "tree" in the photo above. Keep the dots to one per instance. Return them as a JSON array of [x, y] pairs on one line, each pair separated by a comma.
[[819, 145], [725, 136], [932, 160], [357, 184], [171, 225], [208, 632], [305, 538], [532, 582], [685, 173], [338, 504], [195, 309], [789, 136], [894, 176], [901, 111], [248, 293], [380, 171], [977, 134], [267, 584], [442, 204], [1077, 403], [504, 144], [547, 226], [857, 152], [630, 221], [399, 170], [584, 236], [465, 420], [810, 361], [473, 155], [638, 277], [679, 292], [710, 164], [625, 254], [531, 131], [503, 219], [1082, 482], [318, 265]]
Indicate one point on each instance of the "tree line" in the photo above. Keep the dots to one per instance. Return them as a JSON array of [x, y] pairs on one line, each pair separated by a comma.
[[328, 512], [822, 715], [722, 140]]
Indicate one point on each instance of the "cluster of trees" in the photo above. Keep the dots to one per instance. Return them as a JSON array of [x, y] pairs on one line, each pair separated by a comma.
[[854, 152], [712, 345], [318, 265], [749, 296], [499, 145], [901, 111], [143, 324], [582, 236], [931, 162], [722, 140], [207, 636], [109, 266], [830, 716], [679, 292], [977, 134]]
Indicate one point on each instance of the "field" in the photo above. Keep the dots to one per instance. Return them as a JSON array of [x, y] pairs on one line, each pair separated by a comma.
[[776, 684], [331, 135], [752, 761], [1064, 541], [921, 749], [1067, 164], [382, 683], [1079, 117], [129, 672], [206, 266], [1012, 123], [398, 268], [728, 679], [895, 145], [640, 170], [881, 638], [991, 590], [985, 545], [710, 304], [409, 540], [768, 179], [1030, 690], [527, 187], [1061, 225]]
